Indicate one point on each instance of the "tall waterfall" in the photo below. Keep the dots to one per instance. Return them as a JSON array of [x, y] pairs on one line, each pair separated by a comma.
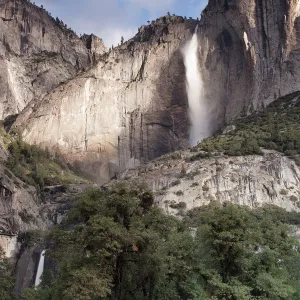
[[198, 111], [40, 269]]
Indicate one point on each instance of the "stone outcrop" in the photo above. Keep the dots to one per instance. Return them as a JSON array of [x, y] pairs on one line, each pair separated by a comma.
[[19, 205], [37, 53], [246, 180], [249, 54], [128, 109]]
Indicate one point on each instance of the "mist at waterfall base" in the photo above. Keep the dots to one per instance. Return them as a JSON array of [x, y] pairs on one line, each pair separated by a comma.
[[40, 270], [198, 110]]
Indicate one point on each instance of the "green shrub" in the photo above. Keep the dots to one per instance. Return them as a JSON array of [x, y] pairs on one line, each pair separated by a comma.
[[199, 156], [293, 198], [205, 188], [283, 192], [176, 182], [180, 205], [179, 193]]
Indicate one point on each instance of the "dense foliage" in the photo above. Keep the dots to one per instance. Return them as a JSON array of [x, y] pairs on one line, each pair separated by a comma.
[[117, 244], [276, 127], [6, 279]]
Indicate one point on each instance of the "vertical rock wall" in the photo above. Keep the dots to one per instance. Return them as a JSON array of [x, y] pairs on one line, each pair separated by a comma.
[[37, 53], [128, 109], [249, 54]]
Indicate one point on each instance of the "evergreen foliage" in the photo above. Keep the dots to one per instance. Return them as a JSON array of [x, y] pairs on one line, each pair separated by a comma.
[[117, 244], [276, 128], [6, 278]]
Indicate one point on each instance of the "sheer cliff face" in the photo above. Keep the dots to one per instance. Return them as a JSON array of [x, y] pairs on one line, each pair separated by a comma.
[[250, 53], [132, 107], [37, 53], [128, 109]]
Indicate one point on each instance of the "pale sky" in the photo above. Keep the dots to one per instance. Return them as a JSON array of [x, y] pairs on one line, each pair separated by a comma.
[[111, 19]]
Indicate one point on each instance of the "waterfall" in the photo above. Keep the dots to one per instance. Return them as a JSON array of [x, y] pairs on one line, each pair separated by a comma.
[[40, 269], [198, 111]]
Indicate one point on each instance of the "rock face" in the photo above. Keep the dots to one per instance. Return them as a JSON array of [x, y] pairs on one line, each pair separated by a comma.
[[249, 54], [37, 53], [131, 107], [19, 205], [128, 109], [20, 211], [246, 180]]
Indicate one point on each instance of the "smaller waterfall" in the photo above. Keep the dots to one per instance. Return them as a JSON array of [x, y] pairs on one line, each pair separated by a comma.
[[198, 110], [40, 269]]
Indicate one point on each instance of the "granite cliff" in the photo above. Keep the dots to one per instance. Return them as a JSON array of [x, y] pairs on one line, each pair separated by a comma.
[[37, 53], [249, 54], [131, 106], [128, 109]]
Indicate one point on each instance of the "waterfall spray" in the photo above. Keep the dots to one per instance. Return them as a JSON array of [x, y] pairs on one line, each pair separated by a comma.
[[40, 269], [198, 111]]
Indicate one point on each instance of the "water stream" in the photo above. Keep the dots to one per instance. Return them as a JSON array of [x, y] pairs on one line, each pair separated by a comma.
[[40, 269]]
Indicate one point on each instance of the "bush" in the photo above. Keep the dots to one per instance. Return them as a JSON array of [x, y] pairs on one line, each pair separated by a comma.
[[179, 193], [283, 192], [176, 182], [293, 198], [180, 205], [199, 156]]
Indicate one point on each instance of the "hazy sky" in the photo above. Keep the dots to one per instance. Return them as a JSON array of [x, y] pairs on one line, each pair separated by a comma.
[[110, 19]]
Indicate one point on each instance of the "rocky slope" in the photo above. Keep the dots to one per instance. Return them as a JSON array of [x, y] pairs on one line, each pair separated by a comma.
[[180, 184], [128, 109], [37, 53]]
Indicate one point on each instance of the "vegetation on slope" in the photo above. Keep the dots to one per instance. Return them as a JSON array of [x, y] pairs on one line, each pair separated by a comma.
[[117, 244], [276, 127], [35, 166]]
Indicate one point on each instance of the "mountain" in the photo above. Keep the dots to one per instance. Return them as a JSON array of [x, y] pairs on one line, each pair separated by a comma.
[[249, 54], [37, 53], [132, 107], [126, 110], [254, 162], [123, 116]]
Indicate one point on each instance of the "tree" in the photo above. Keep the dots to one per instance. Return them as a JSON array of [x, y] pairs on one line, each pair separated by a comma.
[[120, 246], [122, 40], [117, 245], [243, 255], [6, 279]]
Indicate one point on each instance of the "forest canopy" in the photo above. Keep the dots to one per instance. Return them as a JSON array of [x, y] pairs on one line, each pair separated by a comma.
[[117, 244]]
